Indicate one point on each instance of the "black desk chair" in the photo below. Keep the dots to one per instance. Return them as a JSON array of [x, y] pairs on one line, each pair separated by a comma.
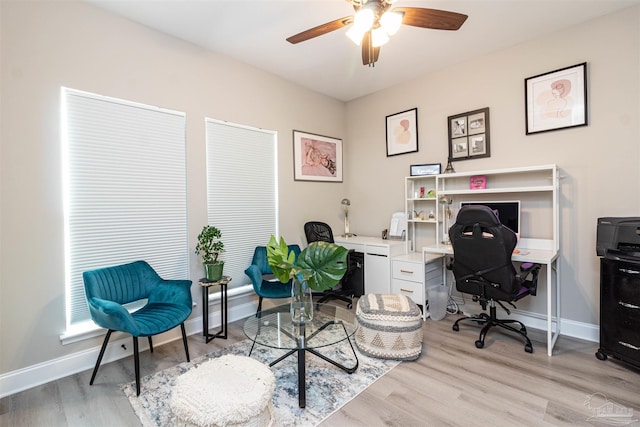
[[320, 231], [482, 250]]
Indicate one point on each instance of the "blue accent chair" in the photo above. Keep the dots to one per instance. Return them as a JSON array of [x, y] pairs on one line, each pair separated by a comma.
[[168, 305], [262, 286]]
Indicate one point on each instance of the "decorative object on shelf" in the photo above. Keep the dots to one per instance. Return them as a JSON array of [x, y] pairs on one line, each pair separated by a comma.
[[469, 135], [426, 169], [320, 265], [478, 182], [449, 168], [446, 201], [316, 157], [402, 132], [557, 99], [345, 205], [431, 194], [210, 247], [418, 214]]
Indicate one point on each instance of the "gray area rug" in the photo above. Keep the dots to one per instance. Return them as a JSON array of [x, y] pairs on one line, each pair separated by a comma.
[[328, 388]]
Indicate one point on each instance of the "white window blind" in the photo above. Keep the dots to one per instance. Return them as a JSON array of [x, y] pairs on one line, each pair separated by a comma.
[[241, 191], [125, 190]]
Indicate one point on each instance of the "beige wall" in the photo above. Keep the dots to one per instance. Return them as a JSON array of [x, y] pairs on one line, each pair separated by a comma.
[[600, 162], [46, 45]]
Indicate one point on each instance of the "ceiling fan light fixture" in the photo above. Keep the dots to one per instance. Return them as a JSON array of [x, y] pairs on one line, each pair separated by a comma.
[[355, 35], [363, 20], [379, 37], [391, 22]]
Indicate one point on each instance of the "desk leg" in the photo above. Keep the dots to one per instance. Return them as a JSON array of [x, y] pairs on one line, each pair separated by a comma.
[[553, 280]]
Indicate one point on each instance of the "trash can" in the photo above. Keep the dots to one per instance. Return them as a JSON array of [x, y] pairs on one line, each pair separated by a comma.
[[438, 297]]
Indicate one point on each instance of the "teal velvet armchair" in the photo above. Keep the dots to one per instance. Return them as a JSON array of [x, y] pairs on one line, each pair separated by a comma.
[[266, 287], [168, 305]]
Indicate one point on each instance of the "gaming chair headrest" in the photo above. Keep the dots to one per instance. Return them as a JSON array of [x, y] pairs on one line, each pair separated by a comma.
[[472, 214]]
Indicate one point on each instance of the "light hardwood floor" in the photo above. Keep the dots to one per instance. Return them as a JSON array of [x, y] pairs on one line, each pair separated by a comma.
[[451, 384]]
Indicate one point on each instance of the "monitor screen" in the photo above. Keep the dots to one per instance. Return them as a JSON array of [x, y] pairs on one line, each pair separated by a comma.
[[508, 212]]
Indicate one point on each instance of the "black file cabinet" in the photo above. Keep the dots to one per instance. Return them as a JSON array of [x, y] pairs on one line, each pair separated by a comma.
[[620, 311]]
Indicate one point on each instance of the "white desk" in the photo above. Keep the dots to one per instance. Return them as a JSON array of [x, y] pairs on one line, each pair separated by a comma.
[[377, 260], [538, 254]]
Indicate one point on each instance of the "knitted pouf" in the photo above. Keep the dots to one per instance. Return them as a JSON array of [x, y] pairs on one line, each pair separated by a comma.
[[229, 391], [390, 327]]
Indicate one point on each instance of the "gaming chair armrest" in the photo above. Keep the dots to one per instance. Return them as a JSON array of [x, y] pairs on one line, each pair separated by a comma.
[[529, 269]]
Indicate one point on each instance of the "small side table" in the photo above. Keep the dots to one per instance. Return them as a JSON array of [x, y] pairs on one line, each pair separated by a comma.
[[206, 285]]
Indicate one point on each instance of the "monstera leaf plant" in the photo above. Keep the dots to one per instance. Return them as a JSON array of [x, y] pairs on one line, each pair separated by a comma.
[[321, 264]]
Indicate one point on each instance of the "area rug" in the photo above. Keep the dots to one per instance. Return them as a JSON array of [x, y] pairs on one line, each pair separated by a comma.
[[328, 388]]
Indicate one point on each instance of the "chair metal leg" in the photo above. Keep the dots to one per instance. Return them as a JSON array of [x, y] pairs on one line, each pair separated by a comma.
[[491, 320], [104, 346], [150, 345], [259, 306], [184, 341], [258, 314], [136, 362]]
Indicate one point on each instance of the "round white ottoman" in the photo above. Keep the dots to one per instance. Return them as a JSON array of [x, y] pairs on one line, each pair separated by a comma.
[[229, 391], [390, 327]]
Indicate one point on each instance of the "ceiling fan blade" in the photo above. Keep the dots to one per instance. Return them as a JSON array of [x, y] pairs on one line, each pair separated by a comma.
[[370, 54], [320, 30], [431, 18]]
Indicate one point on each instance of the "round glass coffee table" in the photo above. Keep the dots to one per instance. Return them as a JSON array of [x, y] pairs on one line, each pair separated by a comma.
[[330, 325]]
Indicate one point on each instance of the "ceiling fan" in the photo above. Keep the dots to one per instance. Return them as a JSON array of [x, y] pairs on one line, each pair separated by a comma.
[[374, 21]]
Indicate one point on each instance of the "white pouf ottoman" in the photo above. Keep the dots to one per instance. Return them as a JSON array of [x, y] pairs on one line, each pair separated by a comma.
[[390, 327], [229, 391]]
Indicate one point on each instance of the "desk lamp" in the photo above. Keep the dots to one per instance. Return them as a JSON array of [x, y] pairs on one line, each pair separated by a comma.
[[345, 204], [446, 201]]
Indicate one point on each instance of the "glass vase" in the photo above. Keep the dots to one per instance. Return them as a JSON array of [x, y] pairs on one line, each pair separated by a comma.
[[301, 302]]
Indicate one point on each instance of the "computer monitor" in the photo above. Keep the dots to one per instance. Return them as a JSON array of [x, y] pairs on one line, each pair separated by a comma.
[[508, 212]]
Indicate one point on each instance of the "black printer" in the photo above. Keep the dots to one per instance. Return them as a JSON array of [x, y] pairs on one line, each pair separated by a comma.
[[619, 238]]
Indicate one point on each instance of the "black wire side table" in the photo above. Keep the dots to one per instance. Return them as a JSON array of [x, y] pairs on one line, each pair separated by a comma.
[[206, 285]]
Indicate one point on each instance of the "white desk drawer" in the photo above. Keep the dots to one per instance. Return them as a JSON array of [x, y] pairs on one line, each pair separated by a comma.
[[413, 290], [408, 271], [377, 250]]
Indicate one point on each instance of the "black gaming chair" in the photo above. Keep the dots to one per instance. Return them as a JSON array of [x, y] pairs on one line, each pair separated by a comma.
[[482, 250], [320, 231]]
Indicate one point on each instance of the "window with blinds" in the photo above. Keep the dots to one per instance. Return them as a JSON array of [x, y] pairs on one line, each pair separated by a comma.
[[241, 191], [125, 190]]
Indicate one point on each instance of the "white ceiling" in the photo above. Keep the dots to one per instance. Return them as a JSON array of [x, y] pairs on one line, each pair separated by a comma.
[[254, 32]]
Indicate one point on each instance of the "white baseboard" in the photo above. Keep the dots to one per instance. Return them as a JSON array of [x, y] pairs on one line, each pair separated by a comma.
[[242, 303]]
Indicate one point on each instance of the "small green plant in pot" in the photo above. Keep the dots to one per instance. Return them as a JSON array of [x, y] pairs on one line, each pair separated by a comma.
[[210, 247], [320, 266]]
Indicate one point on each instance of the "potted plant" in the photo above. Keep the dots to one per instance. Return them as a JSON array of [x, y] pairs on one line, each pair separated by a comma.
[[320, 266], [210, 247]]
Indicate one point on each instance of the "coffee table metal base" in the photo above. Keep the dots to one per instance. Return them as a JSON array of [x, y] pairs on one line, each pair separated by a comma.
[[302, 387]]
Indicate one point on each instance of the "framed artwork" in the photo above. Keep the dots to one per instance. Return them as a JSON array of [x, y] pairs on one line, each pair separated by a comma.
[[316, 157], [556, 100], [428, 169], [402, 132], [469, 135]]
